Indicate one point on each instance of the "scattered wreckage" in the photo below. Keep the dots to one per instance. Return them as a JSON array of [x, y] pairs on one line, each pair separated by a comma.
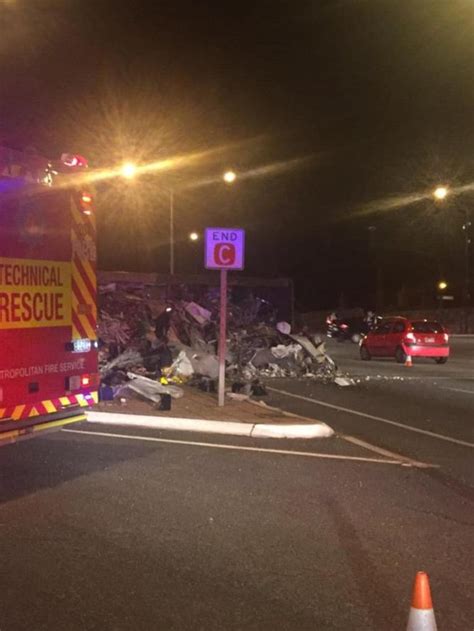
[[150, 347]]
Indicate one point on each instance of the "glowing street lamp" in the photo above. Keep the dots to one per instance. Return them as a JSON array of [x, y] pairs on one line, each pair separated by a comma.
[[440, 193], [128, 170], [193, 236], [229, 177], [442, 285]]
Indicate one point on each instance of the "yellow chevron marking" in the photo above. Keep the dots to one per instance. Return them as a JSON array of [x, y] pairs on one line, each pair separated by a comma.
[[77, 278], [82, 400], [90, 272], [90, 332], [49, 406], [17, 412]]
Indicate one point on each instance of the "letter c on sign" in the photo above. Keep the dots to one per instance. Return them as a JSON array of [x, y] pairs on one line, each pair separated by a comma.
[[224, 254]]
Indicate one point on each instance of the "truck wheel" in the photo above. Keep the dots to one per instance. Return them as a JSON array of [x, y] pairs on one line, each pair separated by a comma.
[[400, 355], [364, 354], [441, 360]]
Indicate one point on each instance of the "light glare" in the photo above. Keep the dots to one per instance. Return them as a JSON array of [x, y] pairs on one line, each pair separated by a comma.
[[229, 177], [441, 192], [129, 170]]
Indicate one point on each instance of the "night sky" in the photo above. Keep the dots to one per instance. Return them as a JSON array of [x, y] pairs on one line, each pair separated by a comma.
[[328, 110]]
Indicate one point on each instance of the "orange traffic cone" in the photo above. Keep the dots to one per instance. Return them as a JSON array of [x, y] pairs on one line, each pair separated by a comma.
[[408, 362], [421, 616]]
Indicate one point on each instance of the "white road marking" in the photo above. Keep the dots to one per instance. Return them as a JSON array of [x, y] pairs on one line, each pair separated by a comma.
[[458, 390], [385, 452], [283, 452], [380, 419]]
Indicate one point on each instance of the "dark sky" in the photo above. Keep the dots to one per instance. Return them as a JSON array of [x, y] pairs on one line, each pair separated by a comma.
[[362, 100]]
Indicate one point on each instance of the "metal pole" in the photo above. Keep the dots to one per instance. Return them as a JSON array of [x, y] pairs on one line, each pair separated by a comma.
[[467, 260], [222, 338], [171, 232]]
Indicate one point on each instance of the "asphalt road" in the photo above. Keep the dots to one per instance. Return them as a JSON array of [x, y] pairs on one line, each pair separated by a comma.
[[117, 529], [129, 532], [425, 412]]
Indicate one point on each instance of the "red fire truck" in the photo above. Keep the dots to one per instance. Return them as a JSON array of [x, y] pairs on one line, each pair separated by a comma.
[[48, 342]]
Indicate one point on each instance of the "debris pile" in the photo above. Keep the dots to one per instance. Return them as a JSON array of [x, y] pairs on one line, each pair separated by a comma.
[[150, 346]]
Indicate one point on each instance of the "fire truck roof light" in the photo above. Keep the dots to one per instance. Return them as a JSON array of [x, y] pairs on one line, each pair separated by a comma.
[[73, 160]]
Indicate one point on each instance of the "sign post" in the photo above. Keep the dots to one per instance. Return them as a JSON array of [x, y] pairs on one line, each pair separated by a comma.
[[222, 338], [224, 250]]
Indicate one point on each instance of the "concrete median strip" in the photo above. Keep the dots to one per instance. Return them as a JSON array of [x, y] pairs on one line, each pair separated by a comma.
[[255, 430]]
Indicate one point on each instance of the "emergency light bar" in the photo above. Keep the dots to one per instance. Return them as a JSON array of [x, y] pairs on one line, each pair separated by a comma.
[[74, 160]]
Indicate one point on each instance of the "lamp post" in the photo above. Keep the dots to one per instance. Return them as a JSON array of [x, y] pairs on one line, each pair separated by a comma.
[[440, 194], [229, 177], [171, 200], [467, 257], [128, 170]]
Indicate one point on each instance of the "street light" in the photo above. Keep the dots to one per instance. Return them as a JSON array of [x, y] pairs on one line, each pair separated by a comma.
[[440, 193], [128, 170], [229, 177], [442, 285]]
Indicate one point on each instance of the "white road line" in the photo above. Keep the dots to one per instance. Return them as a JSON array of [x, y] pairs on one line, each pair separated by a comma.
[[386, 452], [457, 390], [283, 452], [380, 419]]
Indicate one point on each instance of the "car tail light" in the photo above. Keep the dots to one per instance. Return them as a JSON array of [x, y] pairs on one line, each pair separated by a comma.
[[446, 337], [410, 338], [85, 381], [344, 326]]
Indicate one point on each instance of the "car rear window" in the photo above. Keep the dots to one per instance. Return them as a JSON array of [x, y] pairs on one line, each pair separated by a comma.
[[427, 327]]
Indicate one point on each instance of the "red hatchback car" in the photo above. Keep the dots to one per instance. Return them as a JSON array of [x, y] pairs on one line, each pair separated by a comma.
[[400, 337]]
